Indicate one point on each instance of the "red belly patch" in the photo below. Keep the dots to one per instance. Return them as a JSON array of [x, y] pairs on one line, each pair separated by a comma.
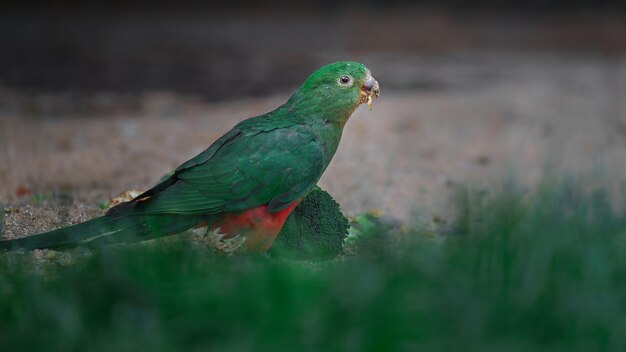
[[258, 225]]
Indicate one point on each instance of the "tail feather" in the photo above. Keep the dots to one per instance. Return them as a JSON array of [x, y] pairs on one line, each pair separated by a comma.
[[107, 230]]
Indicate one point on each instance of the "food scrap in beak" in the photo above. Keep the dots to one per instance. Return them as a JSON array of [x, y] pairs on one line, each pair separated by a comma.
[[369, 90]]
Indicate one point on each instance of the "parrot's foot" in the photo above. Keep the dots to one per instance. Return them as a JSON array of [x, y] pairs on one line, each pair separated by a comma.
[[218, 241]]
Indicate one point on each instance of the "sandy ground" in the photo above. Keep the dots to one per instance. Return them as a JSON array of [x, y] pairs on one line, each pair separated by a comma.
[[488, 117]]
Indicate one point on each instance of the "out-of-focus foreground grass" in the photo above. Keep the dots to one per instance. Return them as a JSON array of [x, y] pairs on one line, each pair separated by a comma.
[[518, 272]]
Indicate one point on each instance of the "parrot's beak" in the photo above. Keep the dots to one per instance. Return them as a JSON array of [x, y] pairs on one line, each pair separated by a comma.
[[369, 90]]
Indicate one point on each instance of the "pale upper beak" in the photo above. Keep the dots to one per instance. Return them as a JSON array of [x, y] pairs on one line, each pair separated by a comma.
[[371, 86]]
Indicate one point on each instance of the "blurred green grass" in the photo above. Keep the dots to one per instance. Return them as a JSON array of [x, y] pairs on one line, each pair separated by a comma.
[[516, 272]]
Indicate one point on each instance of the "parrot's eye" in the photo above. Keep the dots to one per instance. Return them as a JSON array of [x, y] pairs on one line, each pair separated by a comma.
[[345, 80]]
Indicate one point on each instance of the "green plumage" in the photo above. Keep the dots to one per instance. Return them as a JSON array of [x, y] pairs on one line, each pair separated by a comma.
[[273, 159], [107, 230]]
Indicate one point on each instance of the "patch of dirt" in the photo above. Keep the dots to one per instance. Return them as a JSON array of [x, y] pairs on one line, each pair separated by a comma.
[[30, 219]]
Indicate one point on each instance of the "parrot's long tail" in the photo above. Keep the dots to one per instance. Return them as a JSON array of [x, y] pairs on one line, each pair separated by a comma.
[[108, 230]]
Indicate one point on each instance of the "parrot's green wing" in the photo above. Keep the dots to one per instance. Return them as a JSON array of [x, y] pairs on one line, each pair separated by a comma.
[[244, 169]]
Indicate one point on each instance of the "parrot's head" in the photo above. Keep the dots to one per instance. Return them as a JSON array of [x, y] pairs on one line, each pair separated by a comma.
[[337, 89]]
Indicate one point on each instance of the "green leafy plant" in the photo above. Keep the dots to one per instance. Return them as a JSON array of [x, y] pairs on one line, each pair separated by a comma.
[[366, 230], [316, 229]]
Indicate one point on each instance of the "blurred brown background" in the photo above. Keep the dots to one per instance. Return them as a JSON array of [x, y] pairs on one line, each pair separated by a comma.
[[98, 98]]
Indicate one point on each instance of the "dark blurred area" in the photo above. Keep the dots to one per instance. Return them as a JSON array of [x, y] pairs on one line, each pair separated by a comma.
[[226, 50]]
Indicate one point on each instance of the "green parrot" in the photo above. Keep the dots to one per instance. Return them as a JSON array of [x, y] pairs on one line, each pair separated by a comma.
[[248, 181]]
